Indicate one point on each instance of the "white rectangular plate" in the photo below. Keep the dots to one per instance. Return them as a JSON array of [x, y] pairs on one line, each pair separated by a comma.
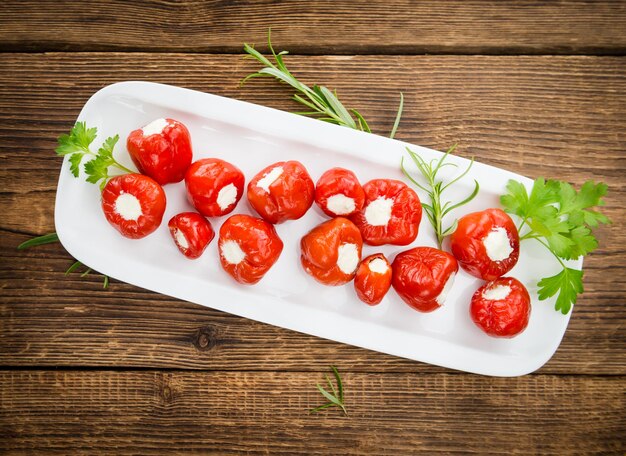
[[252, 137]]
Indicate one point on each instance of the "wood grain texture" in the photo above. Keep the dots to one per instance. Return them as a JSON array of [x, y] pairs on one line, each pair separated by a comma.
[[561, 117], [317, 27], [99, 412]]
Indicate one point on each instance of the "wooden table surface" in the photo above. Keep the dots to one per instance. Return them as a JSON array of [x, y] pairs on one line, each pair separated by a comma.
[[538, 88]]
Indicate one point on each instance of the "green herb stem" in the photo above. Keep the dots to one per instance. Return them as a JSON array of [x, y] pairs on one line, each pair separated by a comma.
[[322, 103], [334, 396], [434, 189]]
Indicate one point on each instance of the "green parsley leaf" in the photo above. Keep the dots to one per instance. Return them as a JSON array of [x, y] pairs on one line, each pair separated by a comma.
[[77, 144], [79, 139], [75, 160], [568, 284], [562, 219]]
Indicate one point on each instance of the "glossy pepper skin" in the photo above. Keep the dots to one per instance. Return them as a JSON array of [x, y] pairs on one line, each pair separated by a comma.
[[420, 276], [322, 247], [505, 317], [257, 240], [405, 213], [148, 214], [339, 183], [287, 198], [372, 285], [192, 233], [210, 182], [467, 243], [163, 156]]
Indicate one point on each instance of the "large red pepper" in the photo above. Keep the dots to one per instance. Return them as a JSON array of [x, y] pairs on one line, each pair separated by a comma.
[[391, 215], [133, 204], [214, 186], [501, 308], [338, 193], [282, 191], [423, 276], [331, 252], [248, 247], [486, 243], [161, 150]]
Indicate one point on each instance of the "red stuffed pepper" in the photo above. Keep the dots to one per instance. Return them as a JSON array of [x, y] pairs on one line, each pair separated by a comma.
[[373, 279], [191, 232], [214, 186], [338, 193], [248, 248], [133, 204], [391, 215], [486, 243], [423, 277], [282, 191], [161, 150], [501, 308], [331, 252]]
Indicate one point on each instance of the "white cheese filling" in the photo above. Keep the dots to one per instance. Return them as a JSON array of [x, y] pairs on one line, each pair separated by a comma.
[[497, 293], [347, 258], [378, 212], [181, 240], [227, 196], [128, 206], [270, 178], [340, 204], [497, 244], [378, 265], [155, 127], [445, 290], [232, 253]]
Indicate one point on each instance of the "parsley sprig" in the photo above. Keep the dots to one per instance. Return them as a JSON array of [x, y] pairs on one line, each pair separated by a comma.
[[78, 145], [562, 220], [321, 102], [434, 188], [336, 398]]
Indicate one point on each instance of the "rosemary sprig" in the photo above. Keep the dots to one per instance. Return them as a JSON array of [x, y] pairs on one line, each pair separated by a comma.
[[434, 188], [321, 102], [336, 398], [49, 239]]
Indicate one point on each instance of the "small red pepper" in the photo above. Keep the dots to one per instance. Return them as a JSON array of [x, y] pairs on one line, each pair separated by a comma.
[[161, 150], [501, 308], [422, 276], [391, 215], [248, 247], [282, 191], [133, 204], [214, 186], [191, 232], [338, 193], [373, 279], [331, 251], [486, 243]]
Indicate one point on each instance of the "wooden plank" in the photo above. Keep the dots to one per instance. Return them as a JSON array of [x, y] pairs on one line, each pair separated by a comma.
[[267, 412], [556, 116], [320, 26]]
